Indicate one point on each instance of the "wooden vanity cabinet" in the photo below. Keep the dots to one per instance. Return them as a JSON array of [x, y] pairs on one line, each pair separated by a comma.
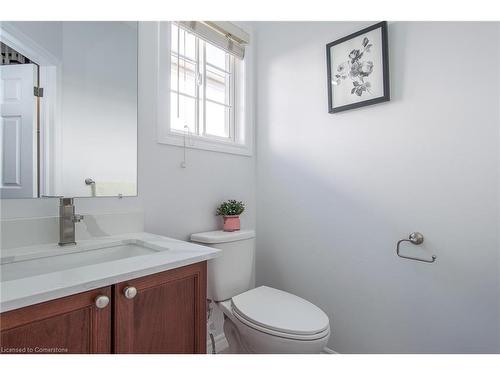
[[165, 313], [160, 313], [70, 324]]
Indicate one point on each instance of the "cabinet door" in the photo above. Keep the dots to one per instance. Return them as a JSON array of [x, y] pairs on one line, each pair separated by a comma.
[[166, 315], [72, 324]]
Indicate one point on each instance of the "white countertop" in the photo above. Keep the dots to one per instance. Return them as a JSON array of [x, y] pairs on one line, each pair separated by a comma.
[[21, 292]]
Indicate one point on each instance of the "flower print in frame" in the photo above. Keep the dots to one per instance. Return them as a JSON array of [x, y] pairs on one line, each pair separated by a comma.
[[358, 69]]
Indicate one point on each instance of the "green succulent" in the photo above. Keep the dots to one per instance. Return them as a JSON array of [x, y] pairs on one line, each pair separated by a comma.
[[230, 208]]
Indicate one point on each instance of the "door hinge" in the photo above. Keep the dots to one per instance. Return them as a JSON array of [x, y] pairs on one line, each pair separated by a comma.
[[38, 91]]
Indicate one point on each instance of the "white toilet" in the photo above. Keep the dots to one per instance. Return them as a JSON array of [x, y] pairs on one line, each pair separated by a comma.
[[263, 319]]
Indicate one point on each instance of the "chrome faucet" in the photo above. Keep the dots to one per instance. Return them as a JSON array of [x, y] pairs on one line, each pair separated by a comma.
[[67, 220]]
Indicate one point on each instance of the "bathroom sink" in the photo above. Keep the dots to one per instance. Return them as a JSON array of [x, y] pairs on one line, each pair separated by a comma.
[[43, 272], [70, 258]]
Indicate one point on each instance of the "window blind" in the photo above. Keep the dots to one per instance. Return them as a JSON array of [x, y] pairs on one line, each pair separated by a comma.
[[224, 35]]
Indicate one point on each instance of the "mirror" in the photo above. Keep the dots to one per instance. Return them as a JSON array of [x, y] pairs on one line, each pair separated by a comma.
[[68, 102]]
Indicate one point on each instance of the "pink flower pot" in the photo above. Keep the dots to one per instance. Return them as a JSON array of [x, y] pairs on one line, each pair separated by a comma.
[[231, 223]]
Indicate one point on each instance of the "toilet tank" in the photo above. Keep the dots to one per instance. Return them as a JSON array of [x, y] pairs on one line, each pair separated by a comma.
[[232, 272]]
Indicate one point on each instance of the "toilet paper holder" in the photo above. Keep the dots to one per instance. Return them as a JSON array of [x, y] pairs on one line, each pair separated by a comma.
[[415, 238]]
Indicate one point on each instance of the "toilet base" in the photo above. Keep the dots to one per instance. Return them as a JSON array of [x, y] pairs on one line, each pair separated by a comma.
[[235, 344], [245, 340]]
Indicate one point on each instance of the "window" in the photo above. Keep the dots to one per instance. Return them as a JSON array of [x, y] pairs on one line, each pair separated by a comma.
[[206, 94]]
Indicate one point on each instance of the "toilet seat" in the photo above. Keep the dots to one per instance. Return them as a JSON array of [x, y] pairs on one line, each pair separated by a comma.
[[317, 336], [281, 314]]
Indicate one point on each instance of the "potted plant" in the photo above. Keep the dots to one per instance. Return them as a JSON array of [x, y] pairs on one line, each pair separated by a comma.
[[231, 211]]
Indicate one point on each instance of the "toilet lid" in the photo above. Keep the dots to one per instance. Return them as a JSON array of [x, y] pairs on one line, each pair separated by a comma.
[[280, 311]]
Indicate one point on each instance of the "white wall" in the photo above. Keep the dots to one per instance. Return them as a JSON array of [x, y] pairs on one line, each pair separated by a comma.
[[336, 191], [180, 201], [49, 36], [99, 107], [96, 120], [176, 201], [355, 182], [47, 207]]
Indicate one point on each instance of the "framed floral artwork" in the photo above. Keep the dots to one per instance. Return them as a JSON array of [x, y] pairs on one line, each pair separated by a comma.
[[358, 69]]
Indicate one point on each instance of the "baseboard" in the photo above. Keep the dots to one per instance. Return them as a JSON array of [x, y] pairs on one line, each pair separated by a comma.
[[327, 350], [220, 344]]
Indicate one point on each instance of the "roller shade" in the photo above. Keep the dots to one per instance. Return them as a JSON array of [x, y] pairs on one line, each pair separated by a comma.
[[224, 35]]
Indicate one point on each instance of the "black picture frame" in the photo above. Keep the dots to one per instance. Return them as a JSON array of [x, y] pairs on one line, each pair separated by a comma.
[[385, 69]]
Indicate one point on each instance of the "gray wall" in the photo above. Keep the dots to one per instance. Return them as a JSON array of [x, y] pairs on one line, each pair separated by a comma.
[[336, 191]]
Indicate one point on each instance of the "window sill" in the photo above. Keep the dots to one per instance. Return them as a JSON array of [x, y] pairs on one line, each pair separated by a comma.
[[201, 143]]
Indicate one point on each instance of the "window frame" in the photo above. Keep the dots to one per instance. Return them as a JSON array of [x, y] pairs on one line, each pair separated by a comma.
[[240, 142]]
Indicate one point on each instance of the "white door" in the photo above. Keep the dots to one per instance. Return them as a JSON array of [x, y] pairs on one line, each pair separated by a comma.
[[18, 132]]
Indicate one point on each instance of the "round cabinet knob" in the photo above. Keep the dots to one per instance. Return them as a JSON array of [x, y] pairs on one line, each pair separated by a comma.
[[129, 292], [101, 302]]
